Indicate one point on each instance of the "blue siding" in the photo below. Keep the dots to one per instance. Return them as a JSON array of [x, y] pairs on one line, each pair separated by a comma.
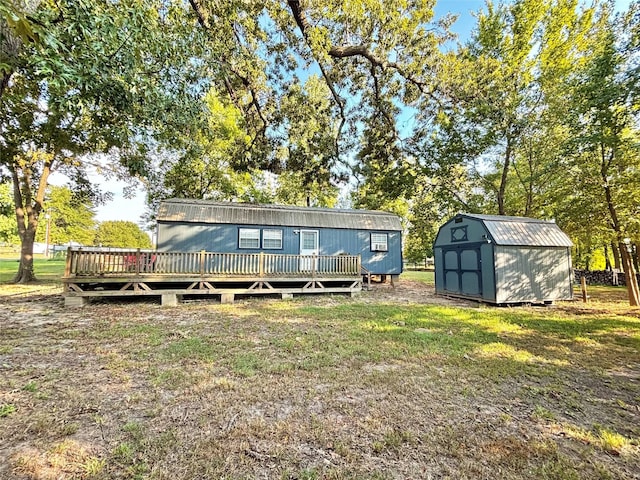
[[191, 237]]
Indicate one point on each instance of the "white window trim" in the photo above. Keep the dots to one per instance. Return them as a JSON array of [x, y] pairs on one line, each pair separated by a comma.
[[254, 235], [377, 245], [266, 236]]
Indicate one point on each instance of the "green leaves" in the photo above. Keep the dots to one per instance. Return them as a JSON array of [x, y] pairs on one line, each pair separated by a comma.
[[121, 234]]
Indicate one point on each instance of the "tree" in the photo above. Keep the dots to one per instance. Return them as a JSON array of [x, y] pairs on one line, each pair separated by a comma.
[[212, 166], [70, 217], [499, 123], [119, 233], [305, 75], [100, 78], [604, 163]]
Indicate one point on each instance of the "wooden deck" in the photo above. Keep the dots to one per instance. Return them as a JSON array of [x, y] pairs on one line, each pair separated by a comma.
[[171, 275]]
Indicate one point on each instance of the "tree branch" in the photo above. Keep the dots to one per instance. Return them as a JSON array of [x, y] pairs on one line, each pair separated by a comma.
[[203, 18], [303, 25]]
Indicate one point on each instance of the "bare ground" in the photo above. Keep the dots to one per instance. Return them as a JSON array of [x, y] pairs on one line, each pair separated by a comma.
[[272, 389]]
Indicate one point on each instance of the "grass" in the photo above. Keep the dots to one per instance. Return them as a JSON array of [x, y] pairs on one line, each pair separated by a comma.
[[47, 270], [319, 387], [419, 276]]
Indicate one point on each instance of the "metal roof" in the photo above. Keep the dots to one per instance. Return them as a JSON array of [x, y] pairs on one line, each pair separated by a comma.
[[522, 231], [203, 211]]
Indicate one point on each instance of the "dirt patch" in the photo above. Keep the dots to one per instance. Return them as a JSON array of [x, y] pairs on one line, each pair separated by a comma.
[[318, 387], [408, 291]]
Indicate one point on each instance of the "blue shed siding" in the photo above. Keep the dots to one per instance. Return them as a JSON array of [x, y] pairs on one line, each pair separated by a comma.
[[190, 237]]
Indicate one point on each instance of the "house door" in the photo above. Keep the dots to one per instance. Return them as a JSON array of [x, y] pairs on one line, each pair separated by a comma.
[[309, 246]]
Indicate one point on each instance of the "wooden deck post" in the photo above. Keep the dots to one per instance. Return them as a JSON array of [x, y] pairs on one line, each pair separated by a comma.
[[202, 252], [67, 267], [261, 265], [138, 262]]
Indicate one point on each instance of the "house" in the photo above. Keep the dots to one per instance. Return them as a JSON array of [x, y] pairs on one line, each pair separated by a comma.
[[503, 260], [228, 227]]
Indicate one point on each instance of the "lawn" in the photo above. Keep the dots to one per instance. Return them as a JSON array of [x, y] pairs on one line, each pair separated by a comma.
[[319, 387], [47, 270]]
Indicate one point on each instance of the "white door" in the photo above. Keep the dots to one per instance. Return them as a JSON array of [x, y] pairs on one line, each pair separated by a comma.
[[309, 246]]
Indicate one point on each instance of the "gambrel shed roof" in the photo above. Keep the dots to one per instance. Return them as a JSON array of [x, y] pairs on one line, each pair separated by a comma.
[[208, 212], [522, 231]]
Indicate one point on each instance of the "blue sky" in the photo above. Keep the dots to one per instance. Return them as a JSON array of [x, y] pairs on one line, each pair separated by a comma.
[[121, 208]]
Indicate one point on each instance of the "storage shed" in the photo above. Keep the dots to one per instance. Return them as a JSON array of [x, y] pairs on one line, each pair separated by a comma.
[[228, 227], [503, 260]]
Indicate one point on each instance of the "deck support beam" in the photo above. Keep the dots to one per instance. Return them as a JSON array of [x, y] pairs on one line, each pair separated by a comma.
[[227, 298], [170, 299], [75, 301]]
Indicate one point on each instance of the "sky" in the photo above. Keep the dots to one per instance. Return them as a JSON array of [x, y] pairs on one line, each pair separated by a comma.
[[132, 208]]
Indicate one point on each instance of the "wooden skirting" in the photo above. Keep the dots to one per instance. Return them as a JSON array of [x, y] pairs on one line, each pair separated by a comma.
[[77, 291]]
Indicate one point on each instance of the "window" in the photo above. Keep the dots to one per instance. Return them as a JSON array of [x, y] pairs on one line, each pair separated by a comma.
[[459, 234], [272, 239], [248, 238], [379, 242]]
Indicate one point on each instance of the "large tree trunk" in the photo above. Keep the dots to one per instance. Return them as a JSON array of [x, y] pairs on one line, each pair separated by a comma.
[[26, 273], [630, 275], [503, 180], [627, 263], [29, 205]]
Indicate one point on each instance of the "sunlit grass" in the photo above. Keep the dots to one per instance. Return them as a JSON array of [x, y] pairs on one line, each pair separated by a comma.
[[46, 270], [419, 276], [600, 437], [267, 379], [67, 459]]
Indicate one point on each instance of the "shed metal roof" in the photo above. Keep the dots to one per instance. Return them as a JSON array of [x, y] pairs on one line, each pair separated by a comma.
[[203, 211], [523, 231]]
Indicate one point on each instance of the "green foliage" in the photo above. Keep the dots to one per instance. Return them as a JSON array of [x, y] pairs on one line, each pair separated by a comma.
[[289, 101], [100, 79], [69, 217], [7, 409], [119, 233], [8, 226]]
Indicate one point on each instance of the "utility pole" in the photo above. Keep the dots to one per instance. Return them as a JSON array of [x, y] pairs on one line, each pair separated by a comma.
[[47, 216]]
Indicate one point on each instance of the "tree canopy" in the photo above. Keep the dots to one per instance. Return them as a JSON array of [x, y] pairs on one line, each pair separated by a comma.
[[121, 234], [81, 78], [535, 114]]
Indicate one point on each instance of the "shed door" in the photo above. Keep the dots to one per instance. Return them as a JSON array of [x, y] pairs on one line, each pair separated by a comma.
[[462, 270], [309, 246]]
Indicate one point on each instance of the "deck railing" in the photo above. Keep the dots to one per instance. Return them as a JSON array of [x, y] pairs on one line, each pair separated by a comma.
[[83, 262]]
